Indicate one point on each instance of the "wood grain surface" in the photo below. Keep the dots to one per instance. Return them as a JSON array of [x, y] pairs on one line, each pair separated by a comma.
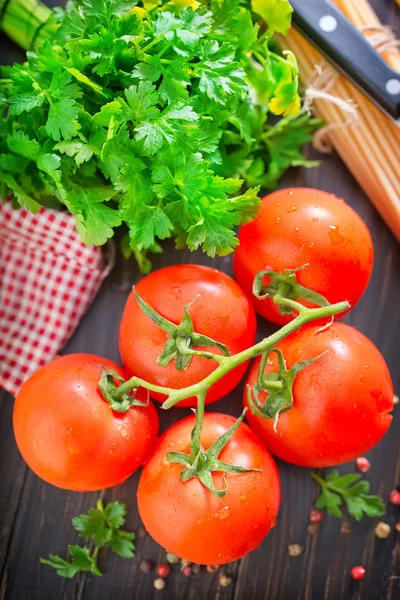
[[35, 518]]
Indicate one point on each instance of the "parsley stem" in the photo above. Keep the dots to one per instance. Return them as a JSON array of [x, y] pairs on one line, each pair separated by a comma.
[[260, 58], [150, 45], [95, 552]]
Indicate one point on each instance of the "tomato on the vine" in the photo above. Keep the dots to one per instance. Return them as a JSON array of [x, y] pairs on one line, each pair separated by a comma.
[[341, 402], [186, 518], [298, 227], [219, 310], [68, 433]]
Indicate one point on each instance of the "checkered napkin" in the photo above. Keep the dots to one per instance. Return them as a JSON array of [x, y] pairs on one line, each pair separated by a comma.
[[48, 279]]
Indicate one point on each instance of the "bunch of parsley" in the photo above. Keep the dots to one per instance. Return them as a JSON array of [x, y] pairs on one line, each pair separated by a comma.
[[154, 114]]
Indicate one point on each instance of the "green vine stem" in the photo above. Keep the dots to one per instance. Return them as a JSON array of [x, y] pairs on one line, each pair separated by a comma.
[[227, 363]]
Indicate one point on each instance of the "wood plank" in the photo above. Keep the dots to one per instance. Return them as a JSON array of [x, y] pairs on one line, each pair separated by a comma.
[[35, 518]]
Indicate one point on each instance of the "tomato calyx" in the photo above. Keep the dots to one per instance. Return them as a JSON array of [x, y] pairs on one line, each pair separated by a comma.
[[183, 338], [202, 463], [118, 402], [284, 286], [277, 384]]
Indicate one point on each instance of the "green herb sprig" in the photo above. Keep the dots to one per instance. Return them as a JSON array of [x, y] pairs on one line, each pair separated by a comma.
[[102, 525], [347, 490]]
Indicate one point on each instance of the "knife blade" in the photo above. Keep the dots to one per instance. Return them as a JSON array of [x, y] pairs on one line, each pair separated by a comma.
[[325, 26]]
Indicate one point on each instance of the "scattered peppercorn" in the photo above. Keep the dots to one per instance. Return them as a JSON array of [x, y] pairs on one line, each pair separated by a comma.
[[146, 566], [395, 497], [358, 573], [172, 558], [141, 532], [159, 583], [224, 580], [345, 527], [363, 464], [313, 528], [163, 570], [187, 570], [295, 549], [316, 516], [196, 569], [212, 568], [382, 530], [185, 563]]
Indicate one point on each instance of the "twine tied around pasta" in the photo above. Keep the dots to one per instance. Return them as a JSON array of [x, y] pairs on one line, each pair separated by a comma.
[[382, 39]]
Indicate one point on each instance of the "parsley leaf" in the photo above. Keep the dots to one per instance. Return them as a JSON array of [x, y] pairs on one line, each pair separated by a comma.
[[80, 561], [20, 144], [95, 220], [338, 489], [61, 121], [103, 526]]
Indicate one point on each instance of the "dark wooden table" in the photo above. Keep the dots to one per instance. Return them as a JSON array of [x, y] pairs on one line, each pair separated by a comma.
[[35, 518]]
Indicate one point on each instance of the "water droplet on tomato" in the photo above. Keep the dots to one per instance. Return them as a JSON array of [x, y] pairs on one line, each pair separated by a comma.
[[312, 245], [113, 447], [315, 219], [69, 431], [243, 495], [277, 204], [290, 193], [296, 228], [292, 209], [223, 513], [277, 220], [334, 234]]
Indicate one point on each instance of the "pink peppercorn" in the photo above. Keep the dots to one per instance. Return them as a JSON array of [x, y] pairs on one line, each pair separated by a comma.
[[316, 516], [163, 570], [363, 464], [395, 497], [358, 573]]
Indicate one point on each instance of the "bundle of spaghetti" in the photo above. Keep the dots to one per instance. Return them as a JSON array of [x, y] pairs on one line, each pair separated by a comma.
[[367, 141]]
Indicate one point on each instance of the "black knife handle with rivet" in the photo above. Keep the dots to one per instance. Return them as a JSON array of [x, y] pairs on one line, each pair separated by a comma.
[[343, 45]]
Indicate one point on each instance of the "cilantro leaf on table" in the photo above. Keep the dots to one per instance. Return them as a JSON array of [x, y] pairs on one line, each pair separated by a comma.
[[102, 525], [80, 561], [153, 115], [347, 490]]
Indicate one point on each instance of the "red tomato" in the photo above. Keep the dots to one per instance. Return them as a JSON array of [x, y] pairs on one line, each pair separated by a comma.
[[341, 402], [191, 522], [67, 432], [300, 226], [221, 312]]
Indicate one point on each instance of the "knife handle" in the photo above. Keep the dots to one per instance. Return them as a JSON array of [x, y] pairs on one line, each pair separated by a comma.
[[341, 43]]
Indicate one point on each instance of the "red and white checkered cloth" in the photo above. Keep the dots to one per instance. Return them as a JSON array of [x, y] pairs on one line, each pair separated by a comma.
[[48, 279]]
